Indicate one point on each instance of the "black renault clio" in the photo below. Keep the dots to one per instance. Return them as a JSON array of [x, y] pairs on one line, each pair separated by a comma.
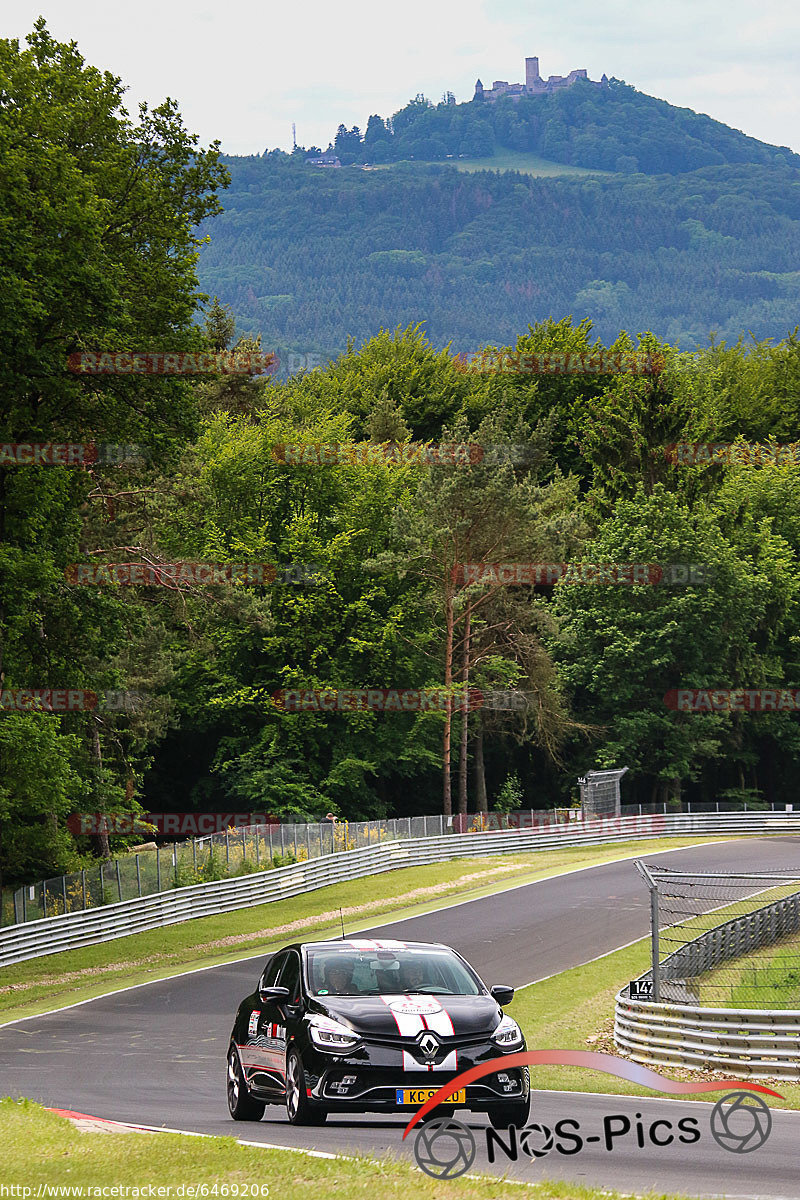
[[365, 1025]]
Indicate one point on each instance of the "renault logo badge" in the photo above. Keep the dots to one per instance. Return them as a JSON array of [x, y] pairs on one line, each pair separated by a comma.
[[429, 1045]]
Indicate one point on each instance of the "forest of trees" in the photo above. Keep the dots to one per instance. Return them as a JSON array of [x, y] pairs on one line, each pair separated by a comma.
[[382, 609], [309, 257], [614, 128]]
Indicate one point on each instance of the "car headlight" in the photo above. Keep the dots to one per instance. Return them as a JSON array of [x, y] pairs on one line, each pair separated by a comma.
[[508, 1033], [331, 1035]]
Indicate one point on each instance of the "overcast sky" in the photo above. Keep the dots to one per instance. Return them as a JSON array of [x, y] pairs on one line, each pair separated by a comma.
[[243, 71]]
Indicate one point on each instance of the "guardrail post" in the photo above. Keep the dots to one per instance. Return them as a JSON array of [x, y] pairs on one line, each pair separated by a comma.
[[83, 888], [119, 880], [308, 844], [24, 905], [158, 867], [258, 848], [283, 843], [194, 857], [139, 876], [271, 851], [64, 890], [654, 959], [44, 898], [227, 848]]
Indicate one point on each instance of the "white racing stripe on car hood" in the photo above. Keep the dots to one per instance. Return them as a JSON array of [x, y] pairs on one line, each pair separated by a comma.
[[375, 944], [407, 1015], [414, 1014]]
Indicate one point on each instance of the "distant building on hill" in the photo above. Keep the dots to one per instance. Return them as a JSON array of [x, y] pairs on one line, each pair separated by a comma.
[[534, 84], [324, 160]]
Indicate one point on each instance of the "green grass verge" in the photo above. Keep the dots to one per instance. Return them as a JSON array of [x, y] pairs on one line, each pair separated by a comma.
[[42, 984], [766, 978], [575, 1011], [507, 160], [40, 1148]]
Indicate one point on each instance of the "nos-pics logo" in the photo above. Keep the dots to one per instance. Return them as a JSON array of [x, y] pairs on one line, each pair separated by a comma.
[[444, 1148]]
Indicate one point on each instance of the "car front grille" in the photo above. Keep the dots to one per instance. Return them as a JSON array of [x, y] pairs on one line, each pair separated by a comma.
[[459, 1042]]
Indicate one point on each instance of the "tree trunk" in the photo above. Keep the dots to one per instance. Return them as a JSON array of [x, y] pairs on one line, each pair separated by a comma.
[[102, 845], [447, 796], [462, 755], [481, 802]]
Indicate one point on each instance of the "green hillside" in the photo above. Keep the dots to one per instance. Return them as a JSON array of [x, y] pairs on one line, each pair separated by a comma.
[[612, 128], [504, 159], [310, 257]]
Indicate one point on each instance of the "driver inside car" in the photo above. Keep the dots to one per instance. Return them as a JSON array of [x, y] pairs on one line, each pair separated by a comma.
[[412, 976], [339, 977]]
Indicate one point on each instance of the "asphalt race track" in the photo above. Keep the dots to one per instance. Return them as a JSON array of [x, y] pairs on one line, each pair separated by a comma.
[[155, 1055]]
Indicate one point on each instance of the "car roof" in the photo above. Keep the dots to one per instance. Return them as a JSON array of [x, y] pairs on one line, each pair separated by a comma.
[[357, 943]]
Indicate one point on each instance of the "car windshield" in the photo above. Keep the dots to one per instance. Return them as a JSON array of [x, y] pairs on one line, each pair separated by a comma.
[[349, 971]]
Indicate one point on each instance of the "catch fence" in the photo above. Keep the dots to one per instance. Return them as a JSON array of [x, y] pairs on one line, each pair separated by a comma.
[[238, 852], [725, 939]]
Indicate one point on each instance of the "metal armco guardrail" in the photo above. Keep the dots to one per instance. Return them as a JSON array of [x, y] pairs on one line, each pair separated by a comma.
[[724, 942], [760, 1043], [676, 1031], [71, 930]]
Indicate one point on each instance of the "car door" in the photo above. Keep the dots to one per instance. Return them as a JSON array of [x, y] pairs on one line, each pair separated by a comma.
[[257, 1055], [278, 1014]]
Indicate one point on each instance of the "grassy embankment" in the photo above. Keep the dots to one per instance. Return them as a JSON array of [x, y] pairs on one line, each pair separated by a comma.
[[506, 160]]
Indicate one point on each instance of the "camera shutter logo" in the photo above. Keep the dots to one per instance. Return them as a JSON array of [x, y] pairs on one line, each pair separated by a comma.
[[536, 1140], [740, 1122], [445, 1148]]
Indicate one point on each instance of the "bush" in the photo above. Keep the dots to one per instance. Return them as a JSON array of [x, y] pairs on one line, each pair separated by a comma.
[[246, 867], [215, 867], [186, 875], [509, 798]]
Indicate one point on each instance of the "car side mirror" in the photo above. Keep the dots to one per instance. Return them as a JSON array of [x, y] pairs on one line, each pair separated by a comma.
[[273, 993], [502, 994]]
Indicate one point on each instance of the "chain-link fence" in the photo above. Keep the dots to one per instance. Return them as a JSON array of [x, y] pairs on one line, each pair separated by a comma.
[[600, 793], [725, 939], [201, 860], [258, 848]]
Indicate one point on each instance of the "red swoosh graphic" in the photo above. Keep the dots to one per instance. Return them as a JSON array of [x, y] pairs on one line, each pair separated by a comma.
[[593, 1061]]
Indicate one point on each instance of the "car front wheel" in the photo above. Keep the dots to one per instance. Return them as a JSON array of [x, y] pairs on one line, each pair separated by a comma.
[[298, 1109], [241, 1104]]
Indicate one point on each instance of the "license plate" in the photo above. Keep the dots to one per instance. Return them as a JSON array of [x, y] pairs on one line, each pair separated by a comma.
[[420, 1095]]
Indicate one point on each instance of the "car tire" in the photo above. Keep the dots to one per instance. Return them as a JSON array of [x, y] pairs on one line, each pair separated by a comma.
[[514, 1113], [241, 1104], [298, 1109]]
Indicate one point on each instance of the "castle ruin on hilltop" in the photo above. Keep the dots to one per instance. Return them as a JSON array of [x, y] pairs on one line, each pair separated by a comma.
[[534, 84]]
